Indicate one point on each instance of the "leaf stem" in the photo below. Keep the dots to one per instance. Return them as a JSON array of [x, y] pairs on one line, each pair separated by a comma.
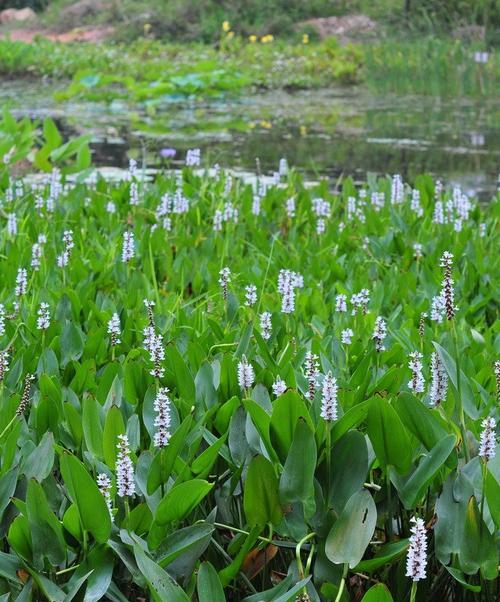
[[328, 445], [342, 583], [459, 395], [413, 593]]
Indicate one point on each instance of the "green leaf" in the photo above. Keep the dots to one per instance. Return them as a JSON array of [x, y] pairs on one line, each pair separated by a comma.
[[181, 500], [51, 133], [415, 486], [378, 593], [72, 343], [94, 513], [349, 466], [261, 498], [492, 492], [297, 478], [92, 428], [467, 395], [421, 421], [46, 531], [161, 467], [113, 426], [350, 420], [183, 377], [451, 509], [208, 585], [384, 556], [388, 436], [161, 585], [459, 576], [204, 462], [478, 549], [351, 533], [287, 409], [261, 420], [8, 482], [182, 540], [39, 463]]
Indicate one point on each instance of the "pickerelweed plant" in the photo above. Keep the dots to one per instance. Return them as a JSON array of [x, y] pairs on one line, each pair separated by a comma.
[[262, 410]]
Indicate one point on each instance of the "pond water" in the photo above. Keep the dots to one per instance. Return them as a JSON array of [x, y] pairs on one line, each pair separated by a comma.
[[327, 132]]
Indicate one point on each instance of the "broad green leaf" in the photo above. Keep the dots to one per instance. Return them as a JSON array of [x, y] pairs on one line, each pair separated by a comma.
[[352, 531], [46, 531], [297, 478], [181, 500], [84, 492], [204, 462], [467, 394], [388, 435], [287, 409], [261, 497], [51, 133], [349, 466], [459, 576], [208, 584], [183, 377], [384, 556], [39, 463], [8, 482], [451, 509], [163, 462], [350, 420], [261, 420], [113, 426], [378, 593], [419, 420], [161, 585], [492, 489], [429, 464], [92, 428], [182, 540], [478, 549]]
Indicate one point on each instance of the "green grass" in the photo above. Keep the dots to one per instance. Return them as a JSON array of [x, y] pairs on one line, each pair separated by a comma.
[[254, 490], [149, 69]]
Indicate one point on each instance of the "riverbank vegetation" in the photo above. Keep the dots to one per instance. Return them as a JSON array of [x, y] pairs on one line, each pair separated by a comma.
[[149, 69]]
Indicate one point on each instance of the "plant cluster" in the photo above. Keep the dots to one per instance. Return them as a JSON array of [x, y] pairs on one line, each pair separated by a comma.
[[217, 390]]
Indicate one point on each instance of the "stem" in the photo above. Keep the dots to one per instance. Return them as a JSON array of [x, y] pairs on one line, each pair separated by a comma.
[[389, 504], [413, 593], [8, 426], [342, 583], [297, 553], [483, 470], [153, 273], [459, 395], [127, 512], [84, 543], [328, 445]]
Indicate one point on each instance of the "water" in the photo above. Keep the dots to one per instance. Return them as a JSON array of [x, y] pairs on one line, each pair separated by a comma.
[[327, 132]]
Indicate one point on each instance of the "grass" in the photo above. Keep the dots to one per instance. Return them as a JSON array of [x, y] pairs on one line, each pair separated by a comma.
[[255, 491], [147, 64], [149, 69]]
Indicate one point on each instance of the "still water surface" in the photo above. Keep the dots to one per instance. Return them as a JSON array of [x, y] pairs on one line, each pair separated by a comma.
[[326, 132]]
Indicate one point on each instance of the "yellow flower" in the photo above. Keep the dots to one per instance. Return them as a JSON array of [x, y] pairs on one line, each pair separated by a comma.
[[267, 38], [305, 38], [267, 125], [303, 130], [230, 34], [147, 27], [226, 26], [252, 39]]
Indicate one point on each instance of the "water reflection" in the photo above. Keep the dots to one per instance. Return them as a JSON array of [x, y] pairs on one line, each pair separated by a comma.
[[332, 132]]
